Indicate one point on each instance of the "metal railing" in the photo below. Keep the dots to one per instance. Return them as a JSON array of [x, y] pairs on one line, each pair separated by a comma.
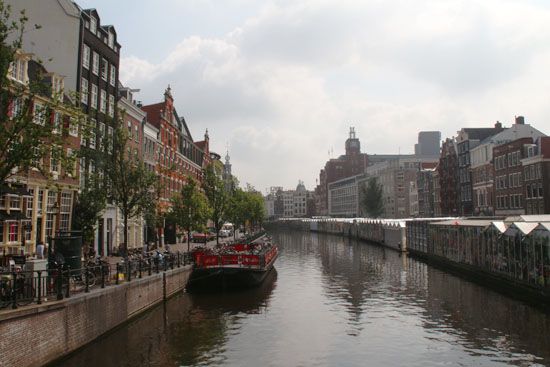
[[22, 288]]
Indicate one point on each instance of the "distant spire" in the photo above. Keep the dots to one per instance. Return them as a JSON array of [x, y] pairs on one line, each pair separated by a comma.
[[352, 132]]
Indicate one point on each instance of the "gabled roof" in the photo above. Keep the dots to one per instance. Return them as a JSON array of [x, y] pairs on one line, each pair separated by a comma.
[[153, 113], [480, 133]]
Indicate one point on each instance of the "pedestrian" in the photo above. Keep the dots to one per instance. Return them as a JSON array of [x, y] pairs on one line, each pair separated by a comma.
[[40, 250]]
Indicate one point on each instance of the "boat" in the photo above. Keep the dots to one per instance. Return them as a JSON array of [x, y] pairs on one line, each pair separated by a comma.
[[236, 265]]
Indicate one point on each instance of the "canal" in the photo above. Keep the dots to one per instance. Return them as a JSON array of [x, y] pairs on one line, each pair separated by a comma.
[[333, 302]]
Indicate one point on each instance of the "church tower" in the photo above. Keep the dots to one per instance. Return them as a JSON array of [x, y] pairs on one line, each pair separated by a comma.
[[353, 146]]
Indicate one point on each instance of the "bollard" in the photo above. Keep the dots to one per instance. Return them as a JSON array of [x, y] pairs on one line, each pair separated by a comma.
[[129, 268], [14, 290], [68, 290], [116, 280], [59, 281], [87, 280], [102, 275], [139, 268], [178, 259], [149, 267], [39, 300]]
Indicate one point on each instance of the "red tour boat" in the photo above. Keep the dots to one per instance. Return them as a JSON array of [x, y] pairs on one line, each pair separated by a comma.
[[232, 265]]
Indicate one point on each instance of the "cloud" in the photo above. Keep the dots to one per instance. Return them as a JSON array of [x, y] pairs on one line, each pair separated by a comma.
[[283, 87]]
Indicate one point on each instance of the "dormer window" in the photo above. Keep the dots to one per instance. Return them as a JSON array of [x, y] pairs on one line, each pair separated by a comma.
[[93, 25], [18, 69], [58, 84], [111, 40]]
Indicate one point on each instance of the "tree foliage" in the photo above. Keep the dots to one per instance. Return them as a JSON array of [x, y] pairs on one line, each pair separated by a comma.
[[190, 209], [372, 198], [131, 186], [217, 195], [29, 134], [89, 205]]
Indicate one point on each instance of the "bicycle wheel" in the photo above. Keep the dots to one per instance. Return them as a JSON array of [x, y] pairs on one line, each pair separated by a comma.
[[91, 279], [25, 294]]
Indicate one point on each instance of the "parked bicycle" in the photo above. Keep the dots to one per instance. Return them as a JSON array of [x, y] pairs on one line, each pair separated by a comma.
[[21, 287]]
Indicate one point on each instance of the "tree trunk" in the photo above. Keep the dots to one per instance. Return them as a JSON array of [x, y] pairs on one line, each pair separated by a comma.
[[188, 236], [125, 245]]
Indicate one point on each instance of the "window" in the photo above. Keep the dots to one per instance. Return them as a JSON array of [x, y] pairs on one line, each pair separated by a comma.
[[129, 129], [93, 25], [541, 193], [136, 137], [58, 85], [104, 68], [18, 70], [16, 108], [84, 91], [111, 40], [39, 114], [86, 57], [82, 173], [40, 202], [65, 211], [110, 134], [111, 105], [112, 78], [92, 139], [14, 202], [30, 203], [73, 126], [57, 120], [101, 134], [103, 101], [95, 63], [13, 232], [54, 162], [72, 168], [93, 102], [528, 191]]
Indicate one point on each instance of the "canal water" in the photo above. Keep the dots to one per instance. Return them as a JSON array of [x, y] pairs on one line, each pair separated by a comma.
[[334, 302]]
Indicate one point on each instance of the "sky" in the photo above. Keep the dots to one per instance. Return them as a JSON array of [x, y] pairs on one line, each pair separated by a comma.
[[279, 83]]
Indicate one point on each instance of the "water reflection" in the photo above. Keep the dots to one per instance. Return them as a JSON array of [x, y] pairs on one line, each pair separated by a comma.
[[334, 302], [187, 330]]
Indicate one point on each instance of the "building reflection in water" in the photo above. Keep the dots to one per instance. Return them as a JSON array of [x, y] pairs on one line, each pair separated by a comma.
[[357, 275]]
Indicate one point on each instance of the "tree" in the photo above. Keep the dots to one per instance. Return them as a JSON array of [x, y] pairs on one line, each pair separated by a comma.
[[190, 208], [214, 189], [130, 184], [26, 134], [372, 198], [236, 210], [256, 207], [89, 205]]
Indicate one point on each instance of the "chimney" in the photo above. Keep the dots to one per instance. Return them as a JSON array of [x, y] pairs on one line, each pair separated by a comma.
[[498, 125], [520, 120], [139, 104]]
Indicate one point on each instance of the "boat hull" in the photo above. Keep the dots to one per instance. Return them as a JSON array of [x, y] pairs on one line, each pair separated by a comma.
[[226, 278]]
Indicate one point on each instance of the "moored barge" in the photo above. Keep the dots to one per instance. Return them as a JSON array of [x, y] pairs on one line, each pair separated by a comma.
[[238, 265]]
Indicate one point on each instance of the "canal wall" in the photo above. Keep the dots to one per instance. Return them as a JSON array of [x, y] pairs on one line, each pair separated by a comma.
[[385, 232], [39, 334]]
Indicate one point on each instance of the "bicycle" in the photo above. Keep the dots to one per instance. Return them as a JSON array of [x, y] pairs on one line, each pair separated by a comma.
[[24, 291]]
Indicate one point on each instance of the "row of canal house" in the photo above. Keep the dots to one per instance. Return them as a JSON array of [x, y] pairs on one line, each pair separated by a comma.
[[493, 171], [516, 248], [80, 56]]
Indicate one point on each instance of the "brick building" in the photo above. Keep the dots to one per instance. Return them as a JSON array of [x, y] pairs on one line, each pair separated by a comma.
[[536, 177], [509, 188], [36, 204], [178, 156], [467, 139], [352, 163], [447, 170]]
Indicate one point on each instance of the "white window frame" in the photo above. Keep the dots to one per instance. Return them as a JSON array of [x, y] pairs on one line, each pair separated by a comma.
[[95, 63], [73, 127], [104, 68], [84, 93], [86, 57], [93, 102], [93, 25], [103, 101], [111, 105], [112, 78], [39, 114], [92, 138]]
